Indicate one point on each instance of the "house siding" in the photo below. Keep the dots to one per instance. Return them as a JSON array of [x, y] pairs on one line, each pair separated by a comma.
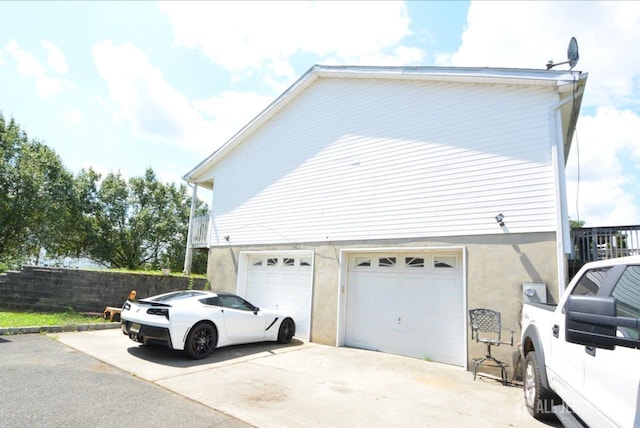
[[378, 159]]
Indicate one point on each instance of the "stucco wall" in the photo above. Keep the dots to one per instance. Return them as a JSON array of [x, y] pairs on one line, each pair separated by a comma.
[[497, 265]]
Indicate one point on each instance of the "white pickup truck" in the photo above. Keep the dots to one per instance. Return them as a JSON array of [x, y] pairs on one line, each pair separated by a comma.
[[582, 356]]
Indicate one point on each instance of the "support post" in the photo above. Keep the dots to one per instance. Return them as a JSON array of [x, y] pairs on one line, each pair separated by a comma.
[[188, 255]]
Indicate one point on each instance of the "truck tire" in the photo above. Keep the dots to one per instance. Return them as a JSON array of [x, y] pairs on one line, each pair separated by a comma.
[[538, 399]]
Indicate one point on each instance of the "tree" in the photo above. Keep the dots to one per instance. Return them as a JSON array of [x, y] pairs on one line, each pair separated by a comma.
[[575, 224], [137, 224], [36, 196], [134, 225]]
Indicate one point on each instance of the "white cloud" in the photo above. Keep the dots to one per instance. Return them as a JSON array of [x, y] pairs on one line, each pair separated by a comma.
[[606, 144], [141, 94], [242, 36], [56, 58], [157, 111], [529, 34], [73, 117], [28, 65], [232, 110]]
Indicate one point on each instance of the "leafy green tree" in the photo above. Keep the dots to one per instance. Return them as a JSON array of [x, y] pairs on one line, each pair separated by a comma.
[[37, 204], [575, 224], [135, 225]]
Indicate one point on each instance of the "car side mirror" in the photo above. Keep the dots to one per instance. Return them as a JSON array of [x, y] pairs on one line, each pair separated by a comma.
[[256, 310], [591, 321]]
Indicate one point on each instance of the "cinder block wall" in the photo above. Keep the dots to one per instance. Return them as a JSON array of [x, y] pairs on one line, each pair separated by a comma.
[[47, 289]]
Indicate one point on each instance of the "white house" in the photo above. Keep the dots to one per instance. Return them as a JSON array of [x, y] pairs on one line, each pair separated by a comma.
[[364, 201]]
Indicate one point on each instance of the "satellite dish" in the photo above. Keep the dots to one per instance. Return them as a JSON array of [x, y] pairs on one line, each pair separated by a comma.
[[572, 55]]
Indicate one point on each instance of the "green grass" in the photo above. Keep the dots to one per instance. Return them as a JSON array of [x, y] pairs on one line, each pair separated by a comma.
[[36, 319]]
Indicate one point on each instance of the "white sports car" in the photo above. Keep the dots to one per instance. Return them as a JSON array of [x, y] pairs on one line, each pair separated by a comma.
[[200, 321]]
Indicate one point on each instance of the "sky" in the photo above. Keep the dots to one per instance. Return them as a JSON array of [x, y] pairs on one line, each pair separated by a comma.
[[126, 86]]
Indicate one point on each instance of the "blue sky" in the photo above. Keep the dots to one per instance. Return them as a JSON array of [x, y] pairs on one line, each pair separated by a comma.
[[122, 86]]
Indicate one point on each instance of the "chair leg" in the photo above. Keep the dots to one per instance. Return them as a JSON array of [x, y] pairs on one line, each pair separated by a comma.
[[498, 364], [476, 363], [505, 381]]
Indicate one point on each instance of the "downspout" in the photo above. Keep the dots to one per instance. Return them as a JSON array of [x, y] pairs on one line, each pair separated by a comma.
[[188, 255], [563, 235]]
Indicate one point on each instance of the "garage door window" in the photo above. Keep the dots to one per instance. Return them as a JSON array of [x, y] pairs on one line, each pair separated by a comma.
[[305, 261], [288, 261], [272, 262], [255, 261], [387, 262], [362, 261], [414, 262], [445, 262]]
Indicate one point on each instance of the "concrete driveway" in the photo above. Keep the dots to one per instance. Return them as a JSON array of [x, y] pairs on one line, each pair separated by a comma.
[[307, 384]]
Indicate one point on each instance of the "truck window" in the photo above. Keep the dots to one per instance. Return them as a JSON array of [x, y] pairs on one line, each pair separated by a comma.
[[590, 282], [627, 294]]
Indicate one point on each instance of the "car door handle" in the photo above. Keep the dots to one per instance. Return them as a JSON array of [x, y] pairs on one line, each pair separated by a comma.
[[556, 330]]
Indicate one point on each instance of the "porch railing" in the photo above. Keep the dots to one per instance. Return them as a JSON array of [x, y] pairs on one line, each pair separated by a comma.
[[200, 233], [600, 243]]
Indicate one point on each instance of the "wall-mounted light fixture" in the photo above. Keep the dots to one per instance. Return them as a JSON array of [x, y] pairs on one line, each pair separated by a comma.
[[226, 238], [500, 219]]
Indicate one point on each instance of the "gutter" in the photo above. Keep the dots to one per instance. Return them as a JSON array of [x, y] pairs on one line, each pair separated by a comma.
[[563, 235]]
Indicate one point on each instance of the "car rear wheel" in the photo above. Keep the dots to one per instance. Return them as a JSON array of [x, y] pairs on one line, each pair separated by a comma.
[[202, 339], [286, 331], [538, 399]]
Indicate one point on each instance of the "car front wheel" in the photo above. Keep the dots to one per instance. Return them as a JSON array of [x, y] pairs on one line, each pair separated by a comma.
[[537, 398], [201, 340], [287, 330]]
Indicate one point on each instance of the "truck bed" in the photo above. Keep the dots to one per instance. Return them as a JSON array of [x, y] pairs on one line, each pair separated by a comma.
[[546, 306]]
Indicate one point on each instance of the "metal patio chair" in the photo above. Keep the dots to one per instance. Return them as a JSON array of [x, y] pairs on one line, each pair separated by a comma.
[[486, 327]]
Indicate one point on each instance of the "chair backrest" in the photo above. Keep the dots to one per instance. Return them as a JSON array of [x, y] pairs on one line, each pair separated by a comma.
[[485, 321]]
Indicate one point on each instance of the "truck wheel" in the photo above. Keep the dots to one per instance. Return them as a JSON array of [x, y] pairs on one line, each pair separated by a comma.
[[537, 398]]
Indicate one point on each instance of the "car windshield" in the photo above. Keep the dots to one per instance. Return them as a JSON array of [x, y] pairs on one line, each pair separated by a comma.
[[175, 296]]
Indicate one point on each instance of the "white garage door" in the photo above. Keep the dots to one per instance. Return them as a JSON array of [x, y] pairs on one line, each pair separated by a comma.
[[407, 304], [282, 282]]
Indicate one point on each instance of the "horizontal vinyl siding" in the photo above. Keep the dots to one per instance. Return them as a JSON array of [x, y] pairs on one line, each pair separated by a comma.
[[378, 159]]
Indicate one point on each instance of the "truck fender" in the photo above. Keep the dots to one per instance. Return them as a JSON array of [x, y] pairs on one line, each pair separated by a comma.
[[531, 342]]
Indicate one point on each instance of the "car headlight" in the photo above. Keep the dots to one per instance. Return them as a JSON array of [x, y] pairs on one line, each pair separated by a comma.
[[159, 311]]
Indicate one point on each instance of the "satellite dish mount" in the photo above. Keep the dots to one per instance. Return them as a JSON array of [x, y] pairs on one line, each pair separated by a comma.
[[572, 56]]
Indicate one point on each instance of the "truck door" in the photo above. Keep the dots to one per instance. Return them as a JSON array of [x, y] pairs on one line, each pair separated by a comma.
[[566, 365], [612, 377]]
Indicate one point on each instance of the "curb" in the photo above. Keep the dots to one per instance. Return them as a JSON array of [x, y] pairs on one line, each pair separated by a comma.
[[58, 328]]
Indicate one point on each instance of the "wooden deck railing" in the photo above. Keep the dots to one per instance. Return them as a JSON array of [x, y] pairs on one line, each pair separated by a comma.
[[200, 233]]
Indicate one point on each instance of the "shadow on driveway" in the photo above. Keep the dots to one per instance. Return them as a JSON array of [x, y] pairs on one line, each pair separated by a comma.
[[159, 354]]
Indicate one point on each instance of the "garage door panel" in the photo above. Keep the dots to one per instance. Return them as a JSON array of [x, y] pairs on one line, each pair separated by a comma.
[[272, 283], [417, 312]]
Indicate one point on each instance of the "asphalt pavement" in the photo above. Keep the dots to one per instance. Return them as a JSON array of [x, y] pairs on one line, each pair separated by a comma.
[[44, 383]]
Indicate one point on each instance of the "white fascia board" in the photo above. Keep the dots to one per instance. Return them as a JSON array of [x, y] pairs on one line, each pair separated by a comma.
[[528, 77]]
